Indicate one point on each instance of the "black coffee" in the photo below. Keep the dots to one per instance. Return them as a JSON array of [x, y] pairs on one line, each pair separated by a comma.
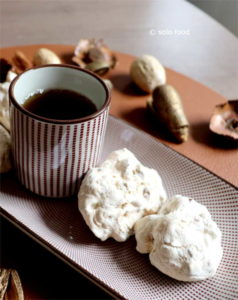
[[60, 105]]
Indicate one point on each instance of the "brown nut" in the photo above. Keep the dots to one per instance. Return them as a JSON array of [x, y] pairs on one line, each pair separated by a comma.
[[166, 105], [21, 62]]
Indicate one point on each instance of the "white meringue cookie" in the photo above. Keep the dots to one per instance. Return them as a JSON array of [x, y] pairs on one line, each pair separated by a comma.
[[182, 240], [113, 196]]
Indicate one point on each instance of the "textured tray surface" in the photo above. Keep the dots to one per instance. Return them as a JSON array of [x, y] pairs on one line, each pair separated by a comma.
[[117, 267]]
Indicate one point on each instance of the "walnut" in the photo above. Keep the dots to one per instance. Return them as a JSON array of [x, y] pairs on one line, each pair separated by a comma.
[[167, 107], [147, 73]]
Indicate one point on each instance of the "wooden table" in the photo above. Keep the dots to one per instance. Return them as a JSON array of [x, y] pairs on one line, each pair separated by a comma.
[[181, 36]]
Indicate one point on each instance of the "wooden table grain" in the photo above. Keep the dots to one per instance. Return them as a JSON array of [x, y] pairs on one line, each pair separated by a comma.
[[181, 36]]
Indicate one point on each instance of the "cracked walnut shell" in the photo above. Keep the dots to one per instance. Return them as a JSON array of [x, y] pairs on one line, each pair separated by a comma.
[[94, 55]]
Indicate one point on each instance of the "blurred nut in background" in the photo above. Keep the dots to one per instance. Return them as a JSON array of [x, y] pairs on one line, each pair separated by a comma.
[[45, 56], [21, 62]]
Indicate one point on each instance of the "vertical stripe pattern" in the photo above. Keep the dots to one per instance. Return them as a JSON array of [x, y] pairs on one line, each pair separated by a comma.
[[51, 158]]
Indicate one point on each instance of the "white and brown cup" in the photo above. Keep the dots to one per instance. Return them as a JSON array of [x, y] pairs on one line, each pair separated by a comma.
[[51, 156]]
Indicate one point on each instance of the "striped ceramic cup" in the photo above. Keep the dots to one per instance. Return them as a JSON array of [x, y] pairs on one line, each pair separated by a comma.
[[51, 156]]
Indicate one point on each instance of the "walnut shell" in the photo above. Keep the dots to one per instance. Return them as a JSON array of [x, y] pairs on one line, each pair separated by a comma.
[[147, 73], [224, 120], [94, 55]]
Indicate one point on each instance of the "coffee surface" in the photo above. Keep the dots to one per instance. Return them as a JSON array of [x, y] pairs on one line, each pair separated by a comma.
[[60, 104]]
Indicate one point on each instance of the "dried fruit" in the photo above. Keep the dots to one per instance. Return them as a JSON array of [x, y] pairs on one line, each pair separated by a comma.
[[94, 55], [5, 150], [21, 62], [10, 285], [166, 105], [147, 73], [44, 56], [224, 120]]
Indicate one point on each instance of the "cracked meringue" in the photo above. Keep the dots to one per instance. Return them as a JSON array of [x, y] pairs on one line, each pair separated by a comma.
[[182, 240], [114, 195]]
